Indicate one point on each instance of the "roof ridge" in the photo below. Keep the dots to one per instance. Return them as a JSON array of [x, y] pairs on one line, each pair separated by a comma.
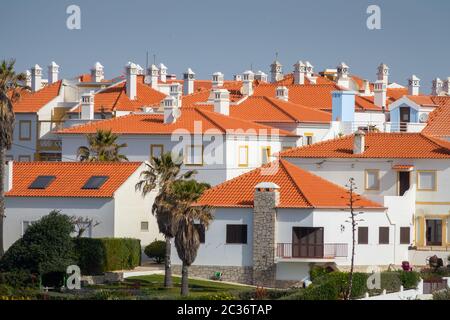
[[280, 109], [209, 119], [294, 182], [435, 141]]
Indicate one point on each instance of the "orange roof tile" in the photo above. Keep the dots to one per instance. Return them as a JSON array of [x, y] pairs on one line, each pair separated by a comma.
[[378, 145], [32, 102], [201, 94], [438, 122], [154, 124], [423, 100], [298, 189], [70, 178]]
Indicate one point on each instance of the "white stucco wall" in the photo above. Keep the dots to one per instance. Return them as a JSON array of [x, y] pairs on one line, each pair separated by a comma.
[[25, 148]]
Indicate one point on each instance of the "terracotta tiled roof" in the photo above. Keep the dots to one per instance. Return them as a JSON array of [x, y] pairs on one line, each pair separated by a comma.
[[377, 145], [423, 100], [32, 102], [288, 79], [202, 93], [70, 177], [154, 124], [439, 120], [298, 189]]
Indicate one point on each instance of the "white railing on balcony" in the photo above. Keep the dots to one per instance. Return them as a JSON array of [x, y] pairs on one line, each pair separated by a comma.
[[346, 128]]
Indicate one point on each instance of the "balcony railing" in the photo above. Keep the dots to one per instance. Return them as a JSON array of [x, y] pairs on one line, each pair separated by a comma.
[[49, 145], [308, 251], [378, 126]]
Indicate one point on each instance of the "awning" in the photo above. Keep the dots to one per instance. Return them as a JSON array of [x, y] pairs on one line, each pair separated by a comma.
[[403, 167]]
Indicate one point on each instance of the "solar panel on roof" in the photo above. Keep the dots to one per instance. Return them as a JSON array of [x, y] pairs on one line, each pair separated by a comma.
[[41, 182], [95, 182]]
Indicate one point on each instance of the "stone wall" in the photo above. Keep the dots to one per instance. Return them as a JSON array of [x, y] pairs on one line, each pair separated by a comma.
[[229, 273]]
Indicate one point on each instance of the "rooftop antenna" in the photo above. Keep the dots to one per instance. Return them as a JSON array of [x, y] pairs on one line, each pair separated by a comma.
[[154, 59], [276, 56], [251, 67]]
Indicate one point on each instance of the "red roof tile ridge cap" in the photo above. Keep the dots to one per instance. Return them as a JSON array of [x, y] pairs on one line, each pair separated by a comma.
[[209, 119], [283, 165], [436, 141], [280, 109]]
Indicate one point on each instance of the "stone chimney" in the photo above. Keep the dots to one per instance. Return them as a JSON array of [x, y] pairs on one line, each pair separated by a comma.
[[8, 183], [176, 92], [28, 78], [131, 71], [413, 86], [380, 92], [265, 202], [276, 71], [247, 85], [53, 70], [282, 93], [152, 76], [222, 101], [383, 73], [171, 112], [162, 72], [359, 142], [97, 72], [188, 81], [343, 79], [36, 78], [87, 106], [299, 72], [261, 76], [343, 106], [217, 79], [437, 87]]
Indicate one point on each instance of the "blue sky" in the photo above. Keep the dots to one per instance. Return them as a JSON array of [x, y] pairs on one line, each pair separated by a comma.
[[230, 36]]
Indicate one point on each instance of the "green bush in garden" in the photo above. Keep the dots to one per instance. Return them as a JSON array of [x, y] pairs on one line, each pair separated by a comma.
[[19, 279], [409, 279], [442, 295], [156, 250]]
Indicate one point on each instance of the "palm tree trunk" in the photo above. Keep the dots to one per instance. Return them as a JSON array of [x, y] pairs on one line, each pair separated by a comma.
[[184, 280], [167, 265], [2, 196]]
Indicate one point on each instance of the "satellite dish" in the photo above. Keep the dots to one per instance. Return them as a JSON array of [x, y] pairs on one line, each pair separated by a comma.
[[423, 117]]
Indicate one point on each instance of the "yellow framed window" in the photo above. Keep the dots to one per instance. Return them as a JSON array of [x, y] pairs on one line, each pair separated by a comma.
[[308, 138], [194, 155], [372, 179], [156, 150], [243, 156]]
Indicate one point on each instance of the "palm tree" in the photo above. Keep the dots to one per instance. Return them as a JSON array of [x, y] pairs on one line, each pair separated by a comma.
[[161, 173], [103, 146], [187, 241], [11, 85]]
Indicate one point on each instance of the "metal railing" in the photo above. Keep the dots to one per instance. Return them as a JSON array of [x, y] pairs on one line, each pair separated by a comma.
[[318, 251]]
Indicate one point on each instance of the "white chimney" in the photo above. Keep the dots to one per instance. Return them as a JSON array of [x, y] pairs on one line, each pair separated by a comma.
[[140, 70], [261, 76], [217, 79], [36, 78], [188, 81], [53, 70], [343, 79], [413, 86], [276, 71], [366, 88], [437, 87], [380, 90], [28, 78], [222, 101], [309, 69], [87, 106], [446, 86], [97, 72], [152, 76], [299, 72], [175, 92], [383, 73], [131, 72], [171, 112], [247, 85], [162, 72], [359, 142], [282, 93], [237, 77], [8, 183]]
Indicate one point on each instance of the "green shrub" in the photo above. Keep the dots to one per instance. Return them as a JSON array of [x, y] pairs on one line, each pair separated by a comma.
[[6, 290], [45, 247], [156, 250], [19, 279], [409, 279], [442, 295], [96, 256], [316, 272]]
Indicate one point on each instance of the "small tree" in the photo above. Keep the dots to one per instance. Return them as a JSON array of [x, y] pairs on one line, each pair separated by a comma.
[[103, 146], [82, 224], [156, 250], [353, 198]]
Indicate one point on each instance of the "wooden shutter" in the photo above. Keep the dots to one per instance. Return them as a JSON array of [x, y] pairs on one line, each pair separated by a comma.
[[404, 235], [236, 233], [363, 235], [383, 235]]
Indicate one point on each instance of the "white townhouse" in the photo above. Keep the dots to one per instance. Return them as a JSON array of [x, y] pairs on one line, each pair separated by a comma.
[[408, 173], [217, 146], [273, 223], [104, 192]]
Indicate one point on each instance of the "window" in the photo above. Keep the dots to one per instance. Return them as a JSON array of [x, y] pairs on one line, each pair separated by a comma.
[[95, 182], [426, 180], [194, 155], [243, 156], [24, 158], [363, 235], [144, 226], [156, 150], [41, 182], [372, 179], [265, 155], [24, 130], [236, 233], [404, 235], [308, 139], [201, 231], [383, 235]]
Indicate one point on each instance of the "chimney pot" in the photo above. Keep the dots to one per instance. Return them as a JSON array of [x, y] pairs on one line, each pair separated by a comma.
[[36, 78], [222, 101], [87, 106], [53, 70], [217, 79], [247, 86], [413, 85], [97, 72], [8, 176], [282, 93], [188, 82], [359, 143], [131, 85]]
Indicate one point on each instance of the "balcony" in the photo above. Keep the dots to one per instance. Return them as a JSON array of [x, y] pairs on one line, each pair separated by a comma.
[[49, 145], [377, 126], [311, 252]]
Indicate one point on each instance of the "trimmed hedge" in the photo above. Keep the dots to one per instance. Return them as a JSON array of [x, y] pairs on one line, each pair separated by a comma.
[[96, 256], [156, 250]]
